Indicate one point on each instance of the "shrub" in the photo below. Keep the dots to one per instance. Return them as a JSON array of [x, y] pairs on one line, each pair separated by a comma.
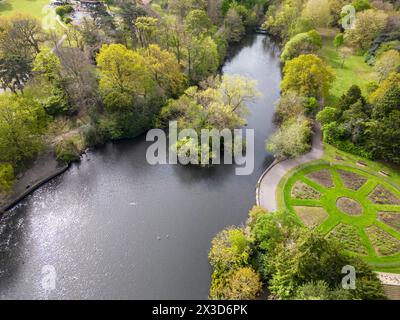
[[372, 86], [290, 105], [56, 104], [64, 9], [254, 213], [243, 284], [92, 136], [292, 139], [230, 249], [6, 177], [361, 5], [302, 43], [311, 107], [319, 290], [67, 151], [327, 115], [368, 25]]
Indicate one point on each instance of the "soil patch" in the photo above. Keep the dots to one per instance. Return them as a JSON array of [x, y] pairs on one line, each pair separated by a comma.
[[383, 196], [383, 243], [349, 206], [302, 190], [347, 236], [311, 216], [322, 177], [392, 219], [352, 180]]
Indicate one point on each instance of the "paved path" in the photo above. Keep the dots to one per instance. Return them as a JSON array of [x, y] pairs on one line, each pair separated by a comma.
[[43, 169], [266, 192]]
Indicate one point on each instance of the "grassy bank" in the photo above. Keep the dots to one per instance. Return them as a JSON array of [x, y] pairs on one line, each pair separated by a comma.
[[353, 71]]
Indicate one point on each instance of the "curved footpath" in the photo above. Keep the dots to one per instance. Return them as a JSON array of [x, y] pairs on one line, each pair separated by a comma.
[[268, 183], [43, 169]]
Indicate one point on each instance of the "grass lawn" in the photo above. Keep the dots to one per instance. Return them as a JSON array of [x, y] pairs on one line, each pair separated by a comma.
[[34, 7], [354, 71], [374, 233]]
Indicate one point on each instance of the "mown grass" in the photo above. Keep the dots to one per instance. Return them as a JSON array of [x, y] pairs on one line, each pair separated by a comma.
[[388, 263], [354, 71], [33, 7]]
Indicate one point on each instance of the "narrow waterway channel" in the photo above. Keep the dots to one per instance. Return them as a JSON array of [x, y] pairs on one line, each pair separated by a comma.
[[115, 227]]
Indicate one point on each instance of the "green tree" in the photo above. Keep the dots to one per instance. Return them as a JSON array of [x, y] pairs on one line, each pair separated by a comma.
[[338, 41], [22, 121], [124, 77], [50, 79], [20, 38], [307, 75], [302, 43], [233, 26], [146, 30], [290, 105], [229, 250], [183, 7], [243, 284], [318, 12], [361, 5], [282, 18], [368, 24], [14, 72], [129, 12], [387, 63], [222, 104], [327, 115], [197, 22], [291, 140], [48, 64], [383, 130], [202, 58], [165, 69], [6, 177]]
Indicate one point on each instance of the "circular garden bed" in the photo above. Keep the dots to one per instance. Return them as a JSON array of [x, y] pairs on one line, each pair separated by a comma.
[[358, 209]]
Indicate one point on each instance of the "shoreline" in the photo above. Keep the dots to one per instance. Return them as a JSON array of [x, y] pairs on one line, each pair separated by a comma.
[[267, 186], [44, 169]]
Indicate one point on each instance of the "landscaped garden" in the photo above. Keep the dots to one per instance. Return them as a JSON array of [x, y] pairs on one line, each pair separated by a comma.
[[352, 204]]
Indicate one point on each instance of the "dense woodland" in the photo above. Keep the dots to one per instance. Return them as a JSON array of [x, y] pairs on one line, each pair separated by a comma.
[[115, 73]]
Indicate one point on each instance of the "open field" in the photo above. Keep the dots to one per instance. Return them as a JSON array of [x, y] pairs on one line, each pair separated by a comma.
[[34, 7], [354, 70]]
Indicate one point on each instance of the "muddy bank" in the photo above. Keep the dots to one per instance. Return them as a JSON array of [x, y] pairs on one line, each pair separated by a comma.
[[43, 169]]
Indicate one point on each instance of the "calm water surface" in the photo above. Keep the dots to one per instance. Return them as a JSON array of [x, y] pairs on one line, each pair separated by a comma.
[[114, 227]]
